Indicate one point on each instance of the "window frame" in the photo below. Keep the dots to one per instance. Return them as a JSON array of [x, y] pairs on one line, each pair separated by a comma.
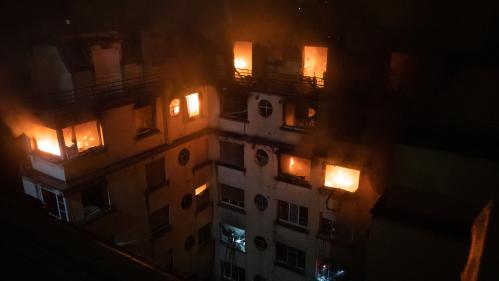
[[238, 206], [301, 219], [154, 124], [284, 255]]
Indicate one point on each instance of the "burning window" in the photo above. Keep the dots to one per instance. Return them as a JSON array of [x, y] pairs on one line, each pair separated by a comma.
[[299, 115], [294, 168], [234, 237], [326, 270], [314, 62], [342, 178], [243, 58], [82, 137], [193, 105], [174, 107], [46, 140], [144, 119], [202, 197]]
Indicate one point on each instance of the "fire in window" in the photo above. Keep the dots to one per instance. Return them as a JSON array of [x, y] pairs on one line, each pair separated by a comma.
[[193, 105], [326, 270], [314, 61], [174, 107], [243, 58], [234, 237], [202, 197], [144, 120], [299, 115], [342, 178], [295, 170], [46, 140], [82, 137]]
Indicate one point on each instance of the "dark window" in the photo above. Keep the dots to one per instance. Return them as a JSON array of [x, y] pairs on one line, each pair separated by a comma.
[[260, 243], [332, 229], [265, 108], [144, 119], [299, 114], [261, 202], [290, 257], [259, 278], [204, 234], [189, 242], [262, 158], [186, 201], [232, 153], [160, 219], [50, 202], [155, 173], [232, 272], [183, 156], [94, 199], [292, 213], [233, 196]]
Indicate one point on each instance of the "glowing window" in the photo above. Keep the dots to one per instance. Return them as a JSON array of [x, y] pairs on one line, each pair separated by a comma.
[[243, 58], [174, 107], [82, 137], [314, 61], [295, 166], [342, 178], [193, 104], [233, 236], [200, 190], [46, 140]]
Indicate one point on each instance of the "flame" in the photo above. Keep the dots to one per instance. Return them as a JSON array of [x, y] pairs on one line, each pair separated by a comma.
[[48, 143], [342, 178], [200, 189], [175, 107], [83, 136], [291, 165], [193, 104], [314, 61], [240, 63]]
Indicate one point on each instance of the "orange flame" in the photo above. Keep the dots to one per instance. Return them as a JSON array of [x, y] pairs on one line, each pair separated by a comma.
[[342, 178], [291, 165]]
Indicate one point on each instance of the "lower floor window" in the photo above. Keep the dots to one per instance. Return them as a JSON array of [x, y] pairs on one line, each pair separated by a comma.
[[232, 272], [232, 195], [326, 270], [290, 257], [54, 204]]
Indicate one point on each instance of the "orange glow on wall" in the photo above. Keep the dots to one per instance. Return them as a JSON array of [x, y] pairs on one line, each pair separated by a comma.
[[82, 136], [201, 189], [174, 107], [193, 104], [243, 58], [342, 178], [46, 140], [295, 166], [314, 61]]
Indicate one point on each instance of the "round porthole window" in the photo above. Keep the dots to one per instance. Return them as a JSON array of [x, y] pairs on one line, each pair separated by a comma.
[[174, 107], [265, 108], [260, 243], [183, 157], [186, 201], [261, 202], [262, 158], [189, 242]]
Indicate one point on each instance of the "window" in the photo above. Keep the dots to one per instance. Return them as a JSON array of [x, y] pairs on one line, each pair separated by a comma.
[[193, 105], [290, 257], [326, 270], [315, 62], [232, 196], [82, 137], [261, 202], [189, 242], [294, 170], [46, 140], [95, 199], [243, 58], [262, 158], [160, 219], [292, 213], [299, 115], [342, 178], [175, 107], [260, 243], [202, 197], [330, 229], [232, 273], [234, 237], [204, 234], [265, 108], [144, 120], [183, 156], [232, 154], [155, 173], [54, 204]]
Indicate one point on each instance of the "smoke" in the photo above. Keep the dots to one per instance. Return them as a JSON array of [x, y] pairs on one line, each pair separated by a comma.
[[17, 118]]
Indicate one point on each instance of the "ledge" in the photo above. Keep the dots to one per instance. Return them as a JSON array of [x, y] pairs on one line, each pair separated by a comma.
[[343, 194], [234, 119], [147, 134], [151, 189], [295, 129], [292, 227], [293, 181], [290, 268], [231, 166], [232, 208]]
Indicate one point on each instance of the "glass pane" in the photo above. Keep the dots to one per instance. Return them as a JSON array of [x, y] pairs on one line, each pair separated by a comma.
[[295, 166], [87, 135], [193, 104], [243, 60]]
